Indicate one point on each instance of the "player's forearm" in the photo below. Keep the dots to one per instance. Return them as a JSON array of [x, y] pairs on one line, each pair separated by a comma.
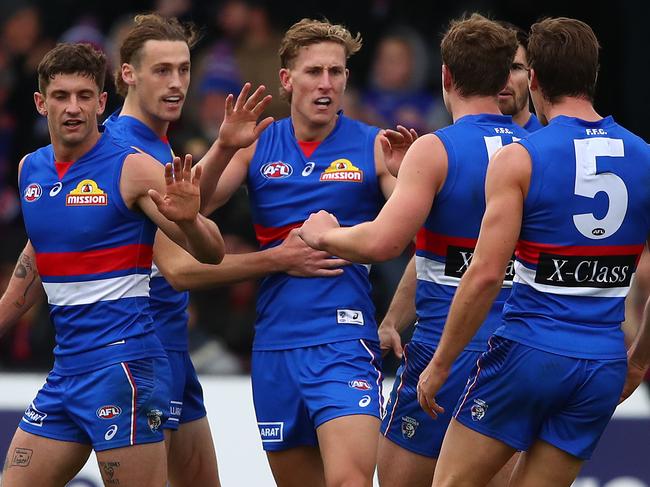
[[203, 240], [213, 164], [401, 312], [363, 243], [233, 268], [471, 304], [23, 291], [639, 352]]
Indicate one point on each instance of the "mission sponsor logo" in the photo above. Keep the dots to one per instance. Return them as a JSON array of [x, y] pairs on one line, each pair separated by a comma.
[[459, 258], [342, 170], [271, 432], [87, 193], [276, 170], [108, 412], [585, 271], [32, 192]]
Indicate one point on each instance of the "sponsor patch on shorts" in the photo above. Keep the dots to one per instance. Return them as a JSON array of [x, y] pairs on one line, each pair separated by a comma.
[[271, 432]]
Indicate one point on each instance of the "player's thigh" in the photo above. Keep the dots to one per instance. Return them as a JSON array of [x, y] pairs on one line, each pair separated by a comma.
[[544, 465], [348, 447], [457, 467], [399, 467], [297, 467], [38, 461], [142, 465], [191, 457]]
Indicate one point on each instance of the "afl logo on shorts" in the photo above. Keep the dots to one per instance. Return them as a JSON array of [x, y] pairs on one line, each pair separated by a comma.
[[108, 412], [360, 384], [276, 170], [33, 192]]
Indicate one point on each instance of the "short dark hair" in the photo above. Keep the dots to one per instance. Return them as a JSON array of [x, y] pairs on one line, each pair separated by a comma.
[[564, 54], [72, 58], [151, 27], [522, 35], [479, 54]]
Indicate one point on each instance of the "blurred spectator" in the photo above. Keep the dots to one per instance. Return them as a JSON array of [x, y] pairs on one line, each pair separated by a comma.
[[396, 93]]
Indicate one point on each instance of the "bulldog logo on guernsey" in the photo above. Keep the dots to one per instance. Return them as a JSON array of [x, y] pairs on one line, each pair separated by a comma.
[[342, 170], [276, 170], [33, 192], [87, 193]]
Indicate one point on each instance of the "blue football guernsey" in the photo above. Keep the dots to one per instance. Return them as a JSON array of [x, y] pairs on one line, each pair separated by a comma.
[[586, 219], [285, 187], [445, 244], [93, 255], [168, 306]]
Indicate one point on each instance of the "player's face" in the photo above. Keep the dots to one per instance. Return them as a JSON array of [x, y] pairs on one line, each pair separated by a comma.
[[160, 79], [71, 103], [316, 81], [514, 97]]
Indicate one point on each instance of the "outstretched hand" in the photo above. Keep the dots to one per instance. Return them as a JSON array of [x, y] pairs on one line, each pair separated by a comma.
[[315, 226], [394, 144], [239, 128], [182, 197]]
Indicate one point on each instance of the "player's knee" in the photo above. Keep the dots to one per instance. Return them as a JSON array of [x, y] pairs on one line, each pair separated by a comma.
[[350, 478]]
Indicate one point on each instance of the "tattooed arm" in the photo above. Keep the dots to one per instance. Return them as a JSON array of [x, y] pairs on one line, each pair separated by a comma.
[[23, 291]]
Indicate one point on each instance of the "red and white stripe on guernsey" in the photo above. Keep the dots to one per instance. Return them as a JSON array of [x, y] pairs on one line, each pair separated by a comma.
[[134, 398], [432, 270], [478, 371], [59, 264], [399, 389], [268, 235], [530, 252], [379, 381]]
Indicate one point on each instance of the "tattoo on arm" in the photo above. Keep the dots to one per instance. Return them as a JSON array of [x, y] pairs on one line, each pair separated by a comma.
[[21, 457], [109, 471], [25, 265]]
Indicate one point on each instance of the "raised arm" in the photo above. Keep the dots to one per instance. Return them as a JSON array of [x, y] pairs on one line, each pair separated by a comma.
[[421, 176], [170, 198], [506, 186], [23, 291], [238, 130], [401, 312]]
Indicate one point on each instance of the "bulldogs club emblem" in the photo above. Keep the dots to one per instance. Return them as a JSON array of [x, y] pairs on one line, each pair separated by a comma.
[[409, 426], [154, 418], [478, 409]]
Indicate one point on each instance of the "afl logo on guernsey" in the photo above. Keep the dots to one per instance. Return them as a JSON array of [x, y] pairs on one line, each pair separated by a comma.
[[342, 170], [87, 193], [276, 170], [33, 192]]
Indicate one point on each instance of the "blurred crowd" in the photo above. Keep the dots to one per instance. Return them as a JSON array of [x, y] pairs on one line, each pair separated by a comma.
[[399, 84]]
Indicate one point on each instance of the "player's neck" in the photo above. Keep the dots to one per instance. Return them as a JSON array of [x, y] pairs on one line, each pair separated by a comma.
[[133, 109], [573, 107], [70, 153], [307, 131], [475, 105], [521, 118]]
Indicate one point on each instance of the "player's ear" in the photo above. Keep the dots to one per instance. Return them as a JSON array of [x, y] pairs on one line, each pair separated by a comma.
[[128, 74], [447, 81], [285, 80], [39, 101], [533, 83], [102, 103]]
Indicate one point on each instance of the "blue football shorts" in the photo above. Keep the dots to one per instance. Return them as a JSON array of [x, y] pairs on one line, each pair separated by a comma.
[[186, 404], [518, 394], [119, 405], [295, 391], [406, 423]]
